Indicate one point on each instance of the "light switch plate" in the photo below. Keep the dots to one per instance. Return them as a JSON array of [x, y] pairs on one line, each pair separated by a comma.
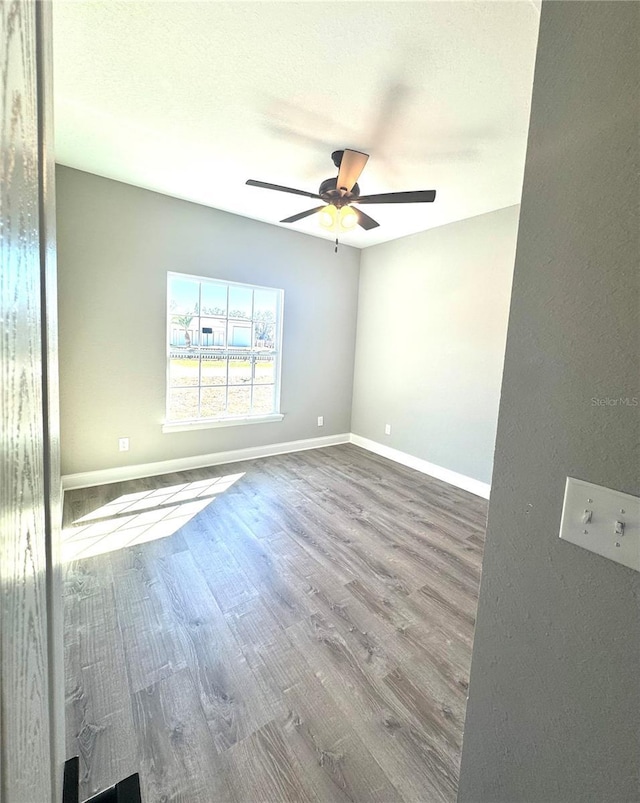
[[603, 521]]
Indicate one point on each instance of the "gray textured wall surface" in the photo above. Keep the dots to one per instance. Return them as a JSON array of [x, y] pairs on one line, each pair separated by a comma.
[[432, 325], [115, 245], [554, 709]]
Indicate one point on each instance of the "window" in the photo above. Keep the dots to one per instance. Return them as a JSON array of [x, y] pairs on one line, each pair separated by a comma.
[[223, 352]]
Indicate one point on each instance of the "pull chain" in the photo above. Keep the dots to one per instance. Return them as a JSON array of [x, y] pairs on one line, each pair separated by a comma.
[[335, 250]]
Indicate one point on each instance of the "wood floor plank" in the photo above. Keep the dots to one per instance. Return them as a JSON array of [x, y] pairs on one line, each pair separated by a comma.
[[175, 751], [227, 582], [362, 490], [420, 642], [413, 761], [233, 703], [267, 573], [435, 719], [424, 549], [449, 610], [148, 635], [99, 724], [342, 540], [335, 604], [264, 769], [248, 504], [267, 647], [336, 762], [292, 628], [387, 606]]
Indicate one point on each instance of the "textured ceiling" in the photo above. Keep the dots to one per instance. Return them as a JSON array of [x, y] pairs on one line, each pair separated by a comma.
[[191, 99]]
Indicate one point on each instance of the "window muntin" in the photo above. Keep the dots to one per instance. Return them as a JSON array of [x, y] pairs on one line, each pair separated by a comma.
[[224, 342]]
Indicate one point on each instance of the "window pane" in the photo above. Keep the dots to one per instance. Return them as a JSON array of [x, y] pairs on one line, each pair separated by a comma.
[[239, 402], [263, 399], [212, 402], [183, 372], [240, 302], [239, 335], [183, 405], [214, 371], [264, 318], [239, 371], [183, 296], [264, 335], [265, 304], [184, 331], [264, 372], [212, 332], [214, 299]]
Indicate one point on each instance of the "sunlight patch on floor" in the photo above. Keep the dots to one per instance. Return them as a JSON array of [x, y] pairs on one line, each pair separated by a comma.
[[140, 517]]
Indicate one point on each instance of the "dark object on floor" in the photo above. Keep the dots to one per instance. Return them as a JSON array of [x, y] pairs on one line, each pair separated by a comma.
[[126, 791]]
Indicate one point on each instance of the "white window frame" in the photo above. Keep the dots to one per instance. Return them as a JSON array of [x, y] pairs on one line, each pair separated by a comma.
[[226, 420]]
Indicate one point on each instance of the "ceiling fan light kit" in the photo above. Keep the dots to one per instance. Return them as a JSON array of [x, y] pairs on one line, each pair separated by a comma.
[[334, 219], [338, 195]]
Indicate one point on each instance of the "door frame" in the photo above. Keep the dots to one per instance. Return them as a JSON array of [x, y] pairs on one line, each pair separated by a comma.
[[32, 743]]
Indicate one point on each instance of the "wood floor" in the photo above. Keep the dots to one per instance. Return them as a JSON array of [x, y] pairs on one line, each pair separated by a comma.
[[296, 628]]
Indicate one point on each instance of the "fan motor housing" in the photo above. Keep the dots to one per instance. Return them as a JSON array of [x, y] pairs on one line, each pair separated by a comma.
[[329, 193]]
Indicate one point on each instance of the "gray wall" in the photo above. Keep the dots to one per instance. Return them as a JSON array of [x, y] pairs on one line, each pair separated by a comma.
[[432, 324], [554, 711], [115, 245]]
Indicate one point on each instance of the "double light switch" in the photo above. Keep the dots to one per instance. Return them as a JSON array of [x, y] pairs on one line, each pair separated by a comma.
[[603, 521]]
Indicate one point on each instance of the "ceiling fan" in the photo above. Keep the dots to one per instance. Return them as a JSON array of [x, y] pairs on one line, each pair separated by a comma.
[[338, 195]]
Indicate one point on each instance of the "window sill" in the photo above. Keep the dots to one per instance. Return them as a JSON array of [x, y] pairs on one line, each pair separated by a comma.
[[214, 423]]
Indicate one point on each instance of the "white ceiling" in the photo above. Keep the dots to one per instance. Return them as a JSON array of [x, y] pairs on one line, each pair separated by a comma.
[[193, 98]]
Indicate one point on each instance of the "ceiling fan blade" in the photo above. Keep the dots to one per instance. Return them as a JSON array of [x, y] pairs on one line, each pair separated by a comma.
[[415, 197], [252, 183], [365, 221], [300, 215], [351, 166]]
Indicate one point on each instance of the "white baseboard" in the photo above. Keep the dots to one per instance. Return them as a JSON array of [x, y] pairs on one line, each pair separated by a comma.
[[88, 479], [476, 487]]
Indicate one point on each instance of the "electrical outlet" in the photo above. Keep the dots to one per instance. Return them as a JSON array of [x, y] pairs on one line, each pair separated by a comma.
[[387, 429], [320, 420], [123, 444]]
